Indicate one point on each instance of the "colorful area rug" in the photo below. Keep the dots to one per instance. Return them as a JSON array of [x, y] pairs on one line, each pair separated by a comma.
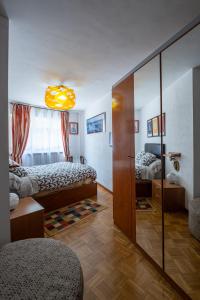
[[143, 204], [62, 218]]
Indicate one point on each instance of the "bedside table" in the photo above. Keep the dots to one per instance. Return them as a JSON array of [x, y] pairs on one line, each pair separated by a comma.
[[173, 194], [27, 220]]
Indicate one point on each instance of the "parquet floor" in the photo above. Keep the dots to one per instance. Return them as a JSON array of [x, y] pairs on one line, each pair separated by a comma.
[[114, 269], [149, 231], [182, 253], [182, 250]]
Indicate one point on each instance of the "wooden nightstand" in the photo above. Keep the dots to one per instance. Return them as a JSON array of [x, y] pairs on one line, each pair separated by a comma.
[[173, 194], [27, 220]]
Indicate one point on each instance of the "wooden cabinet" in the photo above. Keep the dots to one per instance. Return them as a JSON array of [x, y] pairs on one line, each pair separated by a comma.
[[123, 157], [173, 195], [27, 220]]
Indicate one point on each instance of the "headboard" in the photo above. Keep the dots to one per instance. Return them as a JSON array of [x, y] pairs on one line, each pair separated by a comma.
[[156, 150]]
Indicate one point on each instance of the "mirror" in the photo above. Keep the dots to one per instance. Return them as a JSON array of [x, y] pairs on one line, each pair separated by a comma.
[[181, 105], [148, 166]]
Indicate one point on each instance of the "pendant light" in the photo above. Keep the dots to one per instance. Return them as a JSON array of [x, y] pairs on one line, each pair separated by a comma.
[[60, 97]]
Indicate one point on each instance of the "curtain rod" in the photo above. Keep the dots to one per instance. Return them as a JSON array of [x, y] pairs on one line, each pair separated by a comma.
[[37, 106]]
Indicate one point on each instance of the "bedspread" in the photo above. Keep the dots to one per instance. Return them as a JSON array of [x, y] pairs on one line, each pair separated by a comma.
[[59, 175]]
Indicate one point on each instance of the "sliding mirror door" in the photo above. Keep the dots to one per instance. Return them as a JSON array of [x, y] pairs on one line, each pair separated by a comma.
[[148, 166], [181, 105]]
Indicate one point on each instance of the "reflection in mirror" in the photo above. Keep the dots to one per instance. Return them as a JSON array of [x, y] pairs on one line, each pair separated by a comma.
[[181, 104], [148, 159]]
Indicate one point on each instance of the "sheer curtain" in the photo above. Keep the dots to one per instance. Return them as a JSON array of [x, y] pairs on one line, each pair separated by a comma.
[[45, 140]]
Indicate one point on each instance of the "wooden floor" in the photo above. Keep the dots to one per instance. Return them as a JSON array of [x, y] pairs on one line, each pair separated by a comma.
[[182, 254], [113, 267], [149, 231], [182, 250]]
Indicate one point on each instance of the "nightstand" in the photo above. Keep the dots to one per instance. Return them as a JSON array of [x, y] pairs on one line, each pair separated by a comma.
[[27, 220], [173, 195]]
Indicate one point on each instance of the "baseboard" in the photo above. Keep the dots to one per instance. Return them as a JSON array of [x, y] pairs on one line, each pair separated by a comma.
[[105, 188]]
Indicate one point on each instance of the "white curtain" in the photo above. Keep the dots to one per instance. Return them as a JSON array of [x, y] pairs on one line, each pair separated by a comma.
[[44, 144]]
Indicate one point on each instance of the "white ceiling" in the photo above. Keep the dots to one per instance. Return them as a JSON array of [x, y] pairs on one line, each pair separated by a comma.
[[86, 44]]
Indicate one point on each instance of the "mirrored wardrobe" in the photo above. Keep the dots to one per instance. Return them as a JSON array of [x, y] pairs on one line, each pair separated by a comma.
[[156, 183], [181, 104]]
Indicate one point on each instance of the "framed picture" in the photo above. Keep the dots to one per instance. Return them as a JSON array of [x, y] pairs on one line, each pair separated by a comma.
[[96, 124], [163, 124], [136, 126], [73, 128], [155, 126], [149, 128]]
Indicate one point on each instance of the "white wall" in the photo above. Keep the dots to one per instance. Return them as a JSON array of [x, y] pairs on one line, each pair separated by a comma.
[[97, 150], [4, 181], [138, 135], [178, 106], [76, 145], [150, 110]]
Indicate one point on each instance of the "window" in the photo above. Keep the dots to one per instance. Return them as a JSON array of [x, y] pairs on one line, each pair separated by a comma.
[[45, 141]]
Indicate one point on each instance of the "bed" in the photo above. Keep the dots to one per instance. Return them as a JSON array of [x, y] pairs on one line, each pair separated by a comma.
[[56, 185], [145, 174]]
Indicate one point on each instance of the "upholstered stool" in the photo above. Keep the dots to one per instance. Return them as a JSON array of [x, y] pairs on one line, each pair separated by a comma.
[[39, 269], [194, 217]]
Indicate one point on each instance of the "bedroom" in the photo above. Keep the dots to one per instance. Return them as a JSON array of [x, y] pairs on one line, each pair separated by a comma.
[[95, 177]]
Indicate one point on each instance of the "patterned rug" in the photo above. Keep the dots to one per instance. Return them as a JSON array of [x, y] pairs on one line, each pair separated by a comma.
[[62, 218], [143, 204]]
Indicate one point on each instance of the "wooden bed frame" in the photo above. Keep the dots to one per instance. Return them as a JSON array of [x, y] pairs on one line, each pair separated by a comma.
[[51, 200], [144, 187]]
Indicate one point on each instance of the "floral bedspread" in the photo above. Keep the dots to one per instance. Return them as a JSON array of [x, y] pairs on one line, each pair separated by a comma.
[[139, 171], [58, 175]]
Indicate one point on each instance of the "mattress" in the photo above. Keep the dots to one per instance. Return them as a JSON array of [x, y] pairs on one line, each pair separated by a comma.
[[59, 175]]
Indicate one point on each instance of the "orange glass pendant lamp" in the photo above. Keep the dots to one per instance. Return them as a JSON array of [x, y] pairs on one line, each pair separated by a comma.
[[60, 97]]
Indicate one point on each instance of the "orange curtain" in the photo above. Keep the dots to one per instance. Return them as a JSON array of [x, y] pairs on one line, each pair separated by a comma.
[[20, 130], [65, 132]]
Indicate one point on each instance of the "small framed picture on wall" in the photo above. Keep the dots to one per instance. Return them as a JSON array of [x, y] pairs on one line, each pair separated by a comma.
[[163, 124], [149, 128], [136, 126], [155, 126], [73, 128]]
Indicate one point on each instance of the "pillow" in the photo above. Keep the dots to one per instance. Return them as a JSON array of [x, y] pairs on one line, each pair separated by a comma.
[[19, 171], [12, 163], [156, 166], [147, 159], [14, 200], [139, 156], [14, 183]]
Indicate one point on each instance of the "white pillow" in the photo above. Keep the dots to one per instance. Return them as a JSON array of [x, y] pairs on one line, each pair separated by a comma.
[[156, 166], [14, 183], [14, 200]]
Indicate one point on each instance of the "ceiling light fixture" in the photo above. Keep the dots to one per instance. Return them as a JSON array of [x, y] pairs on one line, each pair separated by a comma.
[[60, 97]]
